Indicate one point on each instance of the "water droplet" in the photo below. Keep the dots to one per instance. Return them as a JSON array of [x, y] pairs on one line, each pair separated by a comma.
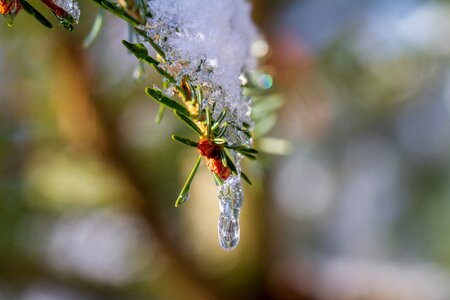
[[182, 198], [10, 21]]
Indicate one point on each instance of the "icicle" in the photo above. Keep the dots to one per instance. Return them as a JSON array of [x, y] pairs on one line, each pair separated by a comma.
[[231, 197]]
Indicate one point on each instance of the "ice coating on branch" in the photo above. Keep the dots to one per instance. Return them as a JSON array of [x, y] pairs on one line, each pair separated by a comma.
[[209, 43]]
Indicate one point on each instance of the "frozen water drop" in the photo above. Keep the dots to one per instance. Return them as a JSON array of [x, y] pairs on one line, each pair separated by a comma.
[[231, 196], [229, 232]]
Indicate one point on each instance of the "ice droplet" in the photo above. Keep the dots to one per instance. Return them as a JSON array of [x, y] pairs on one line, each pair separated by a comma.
[[231, 197], [229, 232]]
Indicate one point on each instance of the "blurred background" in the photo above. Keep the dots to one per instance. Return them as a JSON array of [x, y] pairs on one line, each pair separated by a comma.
[[359, 209]]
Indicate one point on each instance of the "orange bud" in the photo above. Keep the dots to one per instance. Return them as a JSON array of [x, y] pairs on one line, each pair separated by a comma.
[[216, 166]]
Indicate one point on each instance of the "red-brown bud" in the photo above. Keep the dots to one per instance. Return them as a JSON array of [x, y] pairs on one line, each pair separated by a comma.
[[208, 149], [216, 166], [212, 152]]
